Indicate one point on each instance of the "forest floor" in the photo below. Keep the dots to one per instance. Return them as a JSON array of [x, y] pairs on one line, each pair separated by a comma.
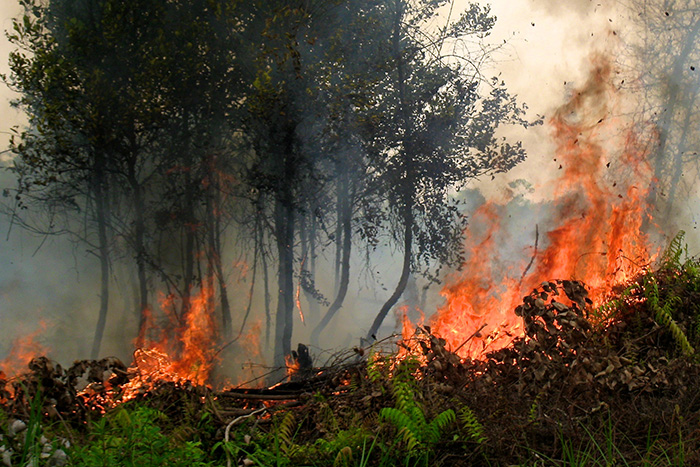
[[614, 385]]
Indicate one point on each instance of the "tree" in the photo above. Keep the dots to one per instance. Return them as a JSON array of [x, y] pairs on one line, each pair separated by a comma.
[[664, 57], [127, 100], [61, 161], [437, 133]]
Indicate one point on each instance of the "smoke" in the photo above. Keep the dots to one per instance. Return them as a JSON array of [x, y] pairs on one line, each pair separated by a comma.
[[545, 54], [654, 46]]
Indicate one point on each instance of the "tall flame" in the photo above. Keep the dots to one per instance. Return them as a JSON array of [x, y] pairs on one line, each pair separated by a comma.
[[181, 348], [598, 212]]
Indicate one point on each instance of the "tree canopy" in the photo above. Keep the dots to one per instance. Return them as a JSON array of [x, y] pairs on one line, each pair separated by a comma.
[[170, 135]]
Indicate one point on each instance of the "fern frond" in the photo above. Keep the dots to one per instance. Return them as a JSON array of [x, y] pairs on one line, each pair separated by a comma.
[[404, 394], [374, 367], [609, 309], [474, 429], [327, 417], [344, 457], [285, 429], [408, 429], [435, 428], [664, 314], [672, 256], [410, 439]]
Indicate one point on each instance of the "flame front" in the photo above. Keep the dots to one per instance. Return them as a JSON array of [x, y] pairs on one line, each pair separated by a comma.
[[180, 348], [599, 211]]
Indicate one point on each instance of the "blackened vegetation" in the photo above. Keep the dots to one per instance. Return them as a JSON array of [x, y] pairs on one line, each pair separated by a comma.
[[580, 376]]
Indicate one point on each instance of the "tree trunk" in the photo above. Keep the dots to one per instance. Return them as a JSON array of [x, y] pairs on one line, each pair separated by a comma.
[[214, 239], [266, 287], [284, 230], [314, 306], [308, 247], [403, 280], [189, 256], [345, 220], [407, 176], [338, 241], [661, 167], [102, 213], [140, 249]]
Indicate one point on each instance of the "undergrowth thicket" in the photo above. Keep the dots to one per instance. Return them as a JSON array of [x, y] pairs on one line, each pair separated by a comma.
[[611, 385]]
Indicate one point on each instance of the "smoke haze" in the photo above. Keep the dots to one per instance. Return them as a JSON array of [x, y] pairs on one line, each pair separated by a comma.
[[545, 54]]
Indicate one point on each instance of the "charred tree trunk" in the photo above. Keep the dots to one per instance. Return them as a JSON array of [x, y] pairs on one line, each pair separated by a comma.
[[284, 230], [284, 233], [345, 220]]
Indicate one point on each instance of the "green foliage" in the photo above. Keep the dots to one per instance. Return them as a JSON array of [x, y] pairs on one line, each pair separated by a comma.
[[682, 277], [615, 306], [474, 429], [378, 368], [285, 428], [679, 277], [31, 447], [415, 431], [671, 258], [132, 437], [664, 313], [30, 441]]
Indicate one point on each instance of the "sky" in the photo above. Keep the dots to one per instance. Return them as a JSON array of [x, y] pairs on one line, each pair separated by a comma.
[[8, 117], [545, 53]]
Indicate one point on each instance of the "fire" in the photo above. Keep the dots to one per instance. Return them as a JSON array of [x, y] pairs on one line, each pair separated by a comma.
[[22, 351], [598, 211], [180, 348], [292, 366]]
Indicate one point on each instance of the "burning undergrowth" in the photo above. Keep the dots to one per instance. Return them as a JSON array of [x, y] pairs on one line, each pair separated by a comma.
[[592, 225], [607, 351], [578, 375]]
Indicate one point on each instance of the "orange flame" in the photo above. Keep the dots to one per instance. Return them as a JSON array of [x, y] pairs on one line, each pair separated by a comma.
[[598, 238], [22, 351], [184, 347], [292, 366]]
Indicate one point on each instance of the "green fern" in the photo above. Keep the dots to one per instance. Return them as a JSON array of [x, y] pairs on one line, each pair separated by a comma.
[[672, 256], [375, 363], [327, 417], [285, 430], [474, 429], [414, 430], [663, 314]]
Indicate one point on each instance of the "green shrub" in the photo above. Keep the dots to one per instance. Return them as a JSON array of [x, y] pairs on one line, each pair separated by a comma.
[[132, 438]]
